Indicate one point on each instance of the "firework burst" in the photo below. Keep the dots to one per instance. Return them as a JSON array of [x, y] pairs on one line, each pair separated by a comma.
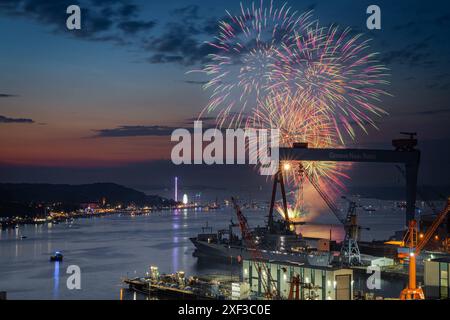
[[275, 68], [335, 72], [247, 47], [299, 121]]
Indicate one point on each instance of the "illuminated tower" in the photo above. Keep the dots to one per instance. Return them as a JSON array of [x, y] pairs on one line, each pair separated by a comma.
[[176, 189], [185, 199]]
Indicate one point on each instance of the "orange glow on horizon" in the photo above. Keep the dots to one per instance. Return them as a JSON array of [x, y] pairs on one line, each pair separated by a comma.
[[46, 146]]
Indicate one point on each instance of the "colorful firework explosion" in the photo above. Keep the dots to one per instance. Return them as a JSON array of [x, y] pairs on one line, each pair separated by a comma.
[[247, 46], [277, 69], [334, 72], [299, 121]]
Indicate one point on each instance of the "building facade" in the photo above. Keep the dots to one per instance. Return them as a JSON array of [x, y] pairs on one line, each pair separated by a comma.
[[315, 283], [437, 278]]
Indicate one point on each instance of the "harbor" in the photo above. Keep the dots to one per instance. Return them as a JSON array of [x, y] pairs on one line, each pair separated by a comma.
[[110, 248], [269, 254], [211, 156], [300, 272]]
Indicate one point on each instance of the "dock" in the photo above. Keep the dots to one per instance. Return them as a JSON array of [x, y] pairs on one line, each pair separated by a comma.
[[145, 286], [177, 286]]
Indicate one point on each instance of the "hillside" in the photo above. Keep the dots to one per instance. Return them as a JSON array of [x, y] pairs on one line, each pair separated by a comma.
[[23, 198]]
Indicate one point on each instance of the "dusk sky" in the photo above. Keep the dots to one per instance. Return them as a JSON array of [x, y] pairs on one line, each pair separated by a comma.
[[96, 104]]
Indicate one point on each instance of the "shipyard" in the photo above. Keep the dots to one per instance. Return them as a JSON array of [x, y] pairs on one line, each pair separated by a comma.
[[258, 250], [277, 262], [219, 159]]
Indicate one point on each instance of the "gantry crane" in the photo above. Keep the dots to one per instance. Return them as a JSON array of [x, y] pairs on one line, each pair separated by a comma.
[[256, 254], [350, 251], [421, 191], [350, 254], [405, 153], [278, 179], [412, 292]]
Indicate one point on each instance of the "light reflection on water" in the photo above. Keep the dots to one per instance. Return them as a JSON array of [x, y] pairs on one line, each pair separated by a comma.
[[110, 248], [56, 280]]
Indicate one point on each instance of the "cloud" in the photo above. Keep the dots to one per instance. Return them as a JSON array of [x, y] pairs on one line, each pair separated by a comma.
[[153, 130], [425, 112], [6, 95], [118, 22], [415, 26], [164, 58], [204, 119], [440, 82], [187, 13], [178, 44], [127, 10], [4, 119], [132, 27], [104, 20], [135, 131], [201, 83], [182, 40], [443, 20], [439, 86], [432, 112], [413, 54], [405, 26]]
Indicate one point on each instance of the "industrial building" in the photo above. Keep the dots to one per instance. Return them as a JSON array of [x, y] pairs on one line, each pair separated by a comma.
[[315, 283], [380, 262], [437, 278]]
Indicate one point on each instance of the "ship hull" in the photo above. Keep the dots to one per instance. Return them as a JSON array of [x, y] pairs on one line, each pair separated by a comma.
[[226, 253]]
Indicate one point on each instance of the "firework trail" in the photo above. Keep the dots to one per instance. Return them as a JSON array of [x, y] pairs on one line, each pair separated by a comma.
[[335, 72], [247, 45]]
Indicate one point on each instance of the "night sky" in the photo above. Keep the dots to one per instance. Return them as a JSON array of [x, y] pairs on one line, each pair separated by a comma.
[[98, 104]]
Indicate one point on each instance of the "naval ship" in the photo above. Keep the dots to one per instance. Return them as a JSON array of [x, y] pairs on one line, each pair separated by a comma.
[[276, 241]]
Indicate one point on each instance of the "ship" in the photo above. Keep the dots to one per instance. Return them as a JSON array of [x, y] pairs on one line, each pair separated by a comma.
[[177, 286], [57, 257], [277, 241]]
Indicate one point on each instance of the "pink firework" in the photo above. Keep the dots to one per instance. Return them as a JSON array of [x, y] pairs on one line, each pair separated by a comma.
[[275, 68], [247, 47], [336, 73], [299, 121]]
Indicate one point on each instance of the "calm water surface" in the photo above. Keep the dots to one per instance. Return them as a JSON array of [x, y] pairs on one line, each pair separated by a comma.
[[109, 248]]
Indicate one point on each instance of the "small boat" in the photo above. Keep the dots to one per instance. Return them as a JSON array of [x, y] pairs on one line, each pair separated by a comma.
[[56, 257], [23, 237]]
